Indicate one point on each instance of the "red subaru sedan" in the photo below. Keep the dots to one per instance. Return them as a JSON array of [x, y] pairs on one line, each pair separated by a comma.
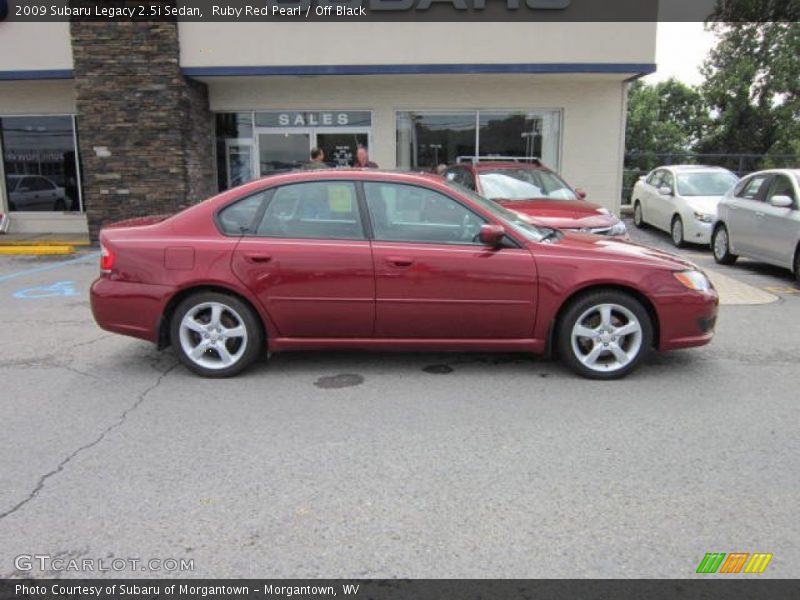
[[371, 260], [536, 192]]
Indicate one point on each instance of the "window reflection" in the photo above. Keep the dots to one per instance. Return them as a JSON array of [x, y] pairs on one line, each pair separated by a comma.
[[40, 164]]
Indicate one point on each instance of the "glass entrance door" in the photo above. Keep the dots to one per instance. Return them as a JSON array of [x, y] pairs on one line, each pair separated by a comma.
[[282, 151], [340, 147]]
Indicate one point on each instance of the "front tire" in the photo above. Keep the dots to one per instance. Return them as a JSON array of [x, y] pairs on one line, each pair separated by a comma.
[[676, 232], [216, 335], [721, 247], [604, 335], [638, 216]]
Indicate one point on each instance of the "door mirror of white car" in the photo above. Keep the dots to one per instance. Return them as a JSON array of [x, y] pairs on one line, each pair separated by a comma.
[[665, 190], [781, 201]]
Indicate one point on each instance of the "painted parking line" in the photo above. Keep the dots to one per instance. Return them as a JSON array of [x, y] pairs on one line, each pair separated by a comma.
[[782, 290], [50, 267], [59, 288]]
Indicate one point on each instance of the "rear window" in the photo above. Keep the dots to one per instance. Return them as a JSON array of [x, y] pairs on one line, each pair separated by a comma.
[[524, 184], [238, 218]]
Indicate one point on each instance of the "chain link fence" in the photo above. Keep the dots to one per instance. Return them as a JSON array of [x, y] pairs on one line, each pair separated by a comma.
[[641, 163]]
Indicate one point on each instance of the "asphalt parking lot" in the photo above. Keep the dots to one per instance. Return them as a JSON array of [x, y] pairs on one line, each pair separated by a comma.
[[396, 465]]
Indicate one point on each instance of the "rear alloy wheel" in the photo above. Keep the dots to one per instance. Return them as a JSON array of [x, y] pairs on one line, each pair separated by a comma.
[[720, 246], [677, 232], [215, 335], [604, 335], [638, 218]]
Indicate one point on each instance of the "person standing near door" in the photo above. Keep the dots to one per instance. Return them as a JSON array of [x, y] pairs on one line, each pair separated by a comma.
[[317, 159], [362, 159]]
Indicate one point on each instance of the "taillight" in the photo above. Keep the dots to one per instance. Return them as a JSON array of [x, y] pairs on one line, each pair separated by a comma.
[[107, 258]]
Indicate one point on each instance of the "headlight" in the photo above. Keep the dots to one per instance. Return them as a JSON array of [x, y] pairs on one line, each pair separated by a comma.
[[618, 229], [694, 280], [703, 217]]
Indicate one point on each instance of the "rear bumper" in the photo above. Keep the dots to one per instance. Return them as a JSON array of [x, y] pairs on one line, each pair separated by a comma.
[[128, 308], [687, 320]]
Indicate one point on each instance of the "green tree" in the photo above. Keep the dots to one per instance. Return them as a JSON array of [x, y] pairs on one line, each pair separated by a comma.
[[752, 84], [668, 117]]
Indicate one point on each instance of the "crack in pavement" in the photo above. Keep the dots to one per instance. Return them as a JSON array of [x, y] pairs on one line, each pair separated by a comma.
[[40, 484]]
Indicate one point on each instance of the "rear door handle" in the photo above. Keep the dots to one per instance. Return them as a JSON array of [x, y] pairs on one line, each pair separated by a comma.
[[254, 257], [399, 261]]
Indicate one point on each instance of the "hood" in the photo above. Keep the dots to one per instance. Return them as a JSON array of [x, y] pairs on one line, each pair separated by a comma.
[[619, 250], [703, 204], [562, 214]]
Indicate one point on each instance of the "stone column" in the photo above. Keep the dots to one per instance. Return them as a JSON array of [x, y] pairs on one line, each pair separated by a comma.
[[145, 131]]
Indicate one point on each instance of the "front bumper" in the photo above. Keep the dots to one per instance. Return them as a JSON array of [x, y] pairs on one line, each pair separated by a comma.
[[688, 319], [696, 232]]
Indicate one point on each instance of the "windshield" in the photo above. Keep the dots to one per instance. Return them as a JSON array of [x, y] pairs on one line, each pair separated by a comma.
[[524, 184], [524, 228], [705, 184]]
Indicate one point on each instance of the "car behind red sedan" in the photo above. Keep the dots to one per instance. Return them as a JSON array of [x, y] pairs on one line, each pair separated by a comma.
[[389, 261], [534, 191]]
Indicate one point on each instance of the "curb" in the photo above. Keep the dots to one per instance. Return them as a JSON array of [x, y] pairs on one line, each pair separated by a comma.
[[35, 250]]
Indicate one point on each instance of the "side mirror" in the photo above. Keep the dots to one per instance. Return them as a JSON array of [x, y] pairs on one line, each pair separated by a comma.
[[665, 190], [642, 177], [781, 201], [491, 235], [580, 193]]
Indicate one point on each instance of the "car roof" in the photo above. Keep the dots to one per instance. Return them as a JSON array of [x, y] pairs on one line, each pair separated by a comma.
[[346, 173], [694, 168]]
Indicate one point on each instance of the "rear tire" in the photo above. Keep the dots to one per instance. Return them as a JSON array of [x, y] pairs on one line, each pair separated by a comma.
[[604, 334], [720, 247], [797, 264], [638, 216], [216, 335], [676, 232]]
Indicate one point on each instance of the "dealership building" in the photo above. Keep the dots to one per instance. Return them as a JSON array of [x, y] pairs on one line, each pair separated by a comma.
[[104, 121]]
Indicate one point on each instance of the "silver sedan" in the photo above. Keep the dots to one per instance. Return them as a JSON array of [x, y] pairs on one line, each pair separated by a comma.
[[760, 219]]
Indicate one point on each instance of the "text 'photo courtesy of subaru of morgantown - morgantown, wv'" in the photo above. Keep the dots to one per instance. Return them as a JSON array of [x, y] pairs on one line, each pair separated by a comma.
[[376, 260]]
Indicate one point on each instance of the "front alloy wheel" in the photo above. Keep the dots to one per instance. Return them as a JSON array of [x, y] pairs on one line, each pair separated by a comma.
[[215, 335], [638, 218], [720, 245], [677, 232], [604, 335]]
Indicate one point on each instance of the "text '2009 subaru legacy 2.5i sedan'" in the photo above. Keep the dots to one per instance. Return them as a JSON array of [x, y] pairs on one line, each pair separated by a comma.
[[389, 261]]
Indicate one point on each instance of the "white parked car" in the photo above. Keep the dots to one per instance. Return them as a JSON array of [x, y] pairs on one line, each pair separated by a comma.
[[681, 200], [34, 193], [760, 218]]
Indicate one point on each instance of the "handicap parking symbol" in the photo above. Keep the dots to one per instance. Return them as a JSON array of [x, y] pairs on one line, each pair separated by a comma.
[[60, 288]]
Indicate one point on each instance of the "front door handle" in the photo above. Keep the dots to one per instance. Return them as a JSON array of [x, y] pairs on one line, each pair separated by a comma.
[[257, 258], [399, 261]]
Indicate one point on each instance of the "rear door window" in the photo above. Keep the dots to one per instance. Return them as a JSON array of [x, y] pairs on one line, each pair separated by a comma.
[[318, 209]]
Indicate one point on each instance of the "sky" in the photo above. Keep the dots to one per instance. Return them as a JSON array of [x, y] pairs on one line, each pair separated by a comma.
[[680, 50]]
